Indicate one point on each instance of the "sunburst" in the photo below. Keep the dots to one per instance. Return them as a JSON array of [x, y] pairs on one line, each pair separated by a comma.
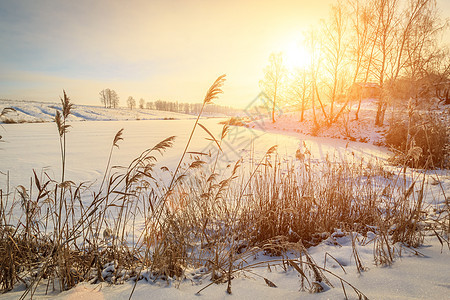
[[295, 56]]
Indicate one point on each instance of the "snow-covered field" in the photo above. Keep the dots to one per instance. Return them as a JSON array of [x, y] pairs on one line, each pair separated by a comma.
[[36, 112], [421, 276], [30, 146], [422, 273], [347, 127], [35, 146], [411, 277]]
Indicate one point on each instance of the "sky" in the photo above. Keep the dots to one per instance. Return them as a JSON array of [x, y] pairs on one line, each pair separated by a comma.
[[169, 50]]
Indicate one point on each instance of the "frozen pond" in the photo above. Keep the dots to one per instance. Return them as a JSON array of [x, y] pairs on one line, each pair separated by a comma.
[[36, 146]]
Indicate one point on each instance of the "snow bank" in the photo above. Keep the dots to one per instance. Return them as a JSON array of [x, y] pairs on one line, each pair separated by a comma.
[[347, 127], [36, 112]]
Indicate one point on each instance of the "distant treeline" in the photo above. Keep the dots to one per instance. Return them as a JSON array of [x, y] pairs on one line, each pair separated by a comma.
[[190, 108], [110, 99]]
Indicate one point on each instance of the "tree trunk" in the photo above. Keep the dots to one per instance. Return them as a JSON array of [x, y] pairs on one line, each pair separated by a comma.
[[273, 106], [381, 110], [359, 107], [303, 110]]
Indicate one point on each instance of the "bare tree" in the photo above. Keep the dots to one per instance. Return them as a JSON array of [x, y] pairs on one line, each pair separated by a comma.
[[109, 98], [314, 47], [361, 14], [274, 74], [386, 33], [186, 108], [131, 102], [395, 30], [114, 99], [104, 97], [422, 50], [300, 89], [141, 103], [334, 51], [436, 75]]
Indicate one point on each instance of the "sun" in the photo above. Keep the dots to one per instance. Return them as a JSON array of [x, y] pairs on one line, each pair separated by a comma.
[[295, 56]]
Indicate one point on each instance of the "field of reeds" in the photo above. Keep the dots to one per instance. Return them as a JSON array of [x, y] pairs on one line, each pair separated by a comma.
[[205, 219]]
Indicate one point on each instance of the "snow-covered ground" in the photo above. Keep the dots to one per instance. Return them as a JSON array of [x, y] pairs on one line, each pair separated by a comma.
[[35, 112], [424, 276], [31, 146], [347, 127], [422, 273]]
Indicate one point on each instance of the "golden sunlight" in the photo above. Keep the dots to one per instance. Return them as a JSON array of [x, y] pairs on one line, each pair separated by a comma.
[[295, 55]]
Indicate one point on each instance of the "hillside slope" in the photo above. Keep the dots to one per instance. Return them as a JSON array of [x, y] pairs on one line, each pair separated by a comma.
[[36, 112]]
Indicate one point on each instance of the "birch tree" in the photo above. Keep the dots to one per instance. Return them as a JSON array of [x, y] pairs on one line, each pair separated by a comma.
[[274, 75]]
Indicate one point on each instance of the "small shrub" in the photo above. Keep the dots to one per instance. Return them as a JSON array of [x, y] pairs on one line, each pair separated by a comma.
[[8, 120], [3, 117], [234, 121], [425, 131]]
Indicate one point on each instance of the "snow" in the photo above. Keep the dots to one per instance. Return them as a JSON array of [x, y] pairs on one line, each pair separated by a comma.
[[421, 273], [347, 128], [35, 112], [31, 146], [410, 277]]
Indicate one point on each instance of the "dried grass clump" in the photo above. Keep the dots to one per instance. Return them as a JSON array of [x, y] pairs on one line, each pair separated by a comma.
[[3, 114], [235, 121], [136, 226], [420, 139], [299, 200]]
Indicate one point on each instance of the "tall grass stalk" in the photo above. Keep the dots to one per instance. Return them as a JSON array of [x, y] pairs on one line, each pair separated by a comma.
[[207, 216]]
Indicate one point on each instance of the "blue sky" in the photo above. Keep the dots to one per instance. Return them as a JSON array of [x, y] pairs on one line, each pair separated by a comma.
[[170, 50]]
